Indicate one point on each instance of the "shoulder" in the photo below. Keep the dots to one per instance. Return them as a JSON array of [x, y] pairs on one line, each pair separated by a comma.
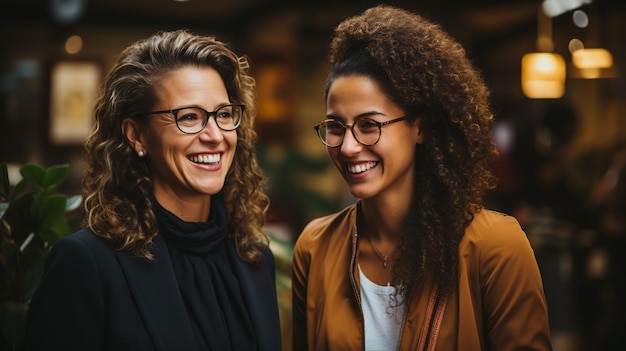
[[499, 270], [83, 246], [493, 238], [268, 255], [81, 258], [85, 239], [265, 266], [494, 228]]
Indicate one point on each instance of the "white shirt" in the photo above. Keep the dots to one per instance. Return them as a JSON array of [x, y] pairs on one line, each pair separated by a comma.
[[382, 322]]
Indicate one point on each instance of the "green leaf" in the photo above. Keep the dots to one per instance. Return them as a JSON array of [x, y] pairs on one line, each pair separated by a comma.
[[52, 225], [47, 208], [54, 176], [33, 173], [31, 206], [19, 218], [53, 231], [23, 187]]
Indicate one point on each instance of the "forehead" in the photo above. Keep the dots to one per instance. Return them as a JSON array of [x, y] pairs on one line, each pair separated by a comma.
[[353, 86], [190, 84], [351, 96]]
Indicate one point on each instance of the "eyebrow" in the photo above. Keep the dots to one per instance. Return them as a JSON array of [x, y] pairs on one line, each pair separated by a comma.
[[360, 116], [198, 106]]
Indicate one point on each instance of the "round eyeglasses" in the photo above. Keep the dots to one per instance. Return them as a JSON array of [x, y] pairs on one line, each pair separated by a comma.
[[192, 120], [365, 130]]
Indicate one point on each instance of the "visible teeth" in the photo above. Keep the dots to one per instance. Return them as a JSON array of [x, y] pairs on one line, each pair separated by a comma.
[[211, 158], [361, 168]]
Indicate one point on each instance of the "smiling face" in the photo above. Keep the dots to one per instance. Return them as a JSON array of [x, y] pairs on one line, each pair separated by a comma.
[[385, 168], [186, 167]]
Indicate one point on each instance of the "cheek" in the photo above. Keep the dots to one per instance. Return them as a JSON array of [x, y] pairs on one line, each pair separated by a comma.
[[231, 141], [161, 139], [333, 153]]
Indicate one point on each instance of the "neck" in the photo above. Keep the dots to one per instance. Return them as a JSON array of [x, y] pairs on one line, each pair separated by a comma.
[[379, 233], [195, 209], [383, 220]]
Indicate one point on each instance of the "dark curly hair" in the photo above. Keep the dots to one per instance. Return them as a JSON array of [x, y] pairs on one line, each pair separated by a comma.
[[118, 185], [427, 73]]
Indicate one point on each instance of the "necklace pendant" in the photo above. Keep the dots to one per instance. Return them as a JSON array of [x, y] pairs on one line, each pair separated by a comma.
[[385, 264]]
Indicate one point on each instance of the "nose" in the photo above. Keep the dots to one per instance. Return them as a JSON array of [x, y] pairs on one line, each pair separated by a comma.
[[211, 132], [350, 145]]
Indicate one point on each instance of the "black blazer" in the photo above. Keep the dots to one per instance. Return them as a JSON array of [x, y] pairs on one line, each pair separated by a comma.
[[94, 298]]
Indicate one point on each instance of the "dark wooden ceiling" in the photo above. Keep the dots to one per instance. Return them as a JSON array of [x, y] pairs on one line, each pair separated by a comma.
[[474, 21]]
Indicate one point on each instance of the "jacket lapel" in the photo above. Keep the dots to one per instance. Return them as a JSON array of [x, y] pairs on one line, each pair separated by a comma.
[[258, 287], [155, 291]]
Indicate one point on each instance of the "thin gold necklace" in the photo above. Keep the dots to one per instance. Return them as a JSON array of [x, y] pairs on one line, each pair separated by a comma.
[[378, 253]]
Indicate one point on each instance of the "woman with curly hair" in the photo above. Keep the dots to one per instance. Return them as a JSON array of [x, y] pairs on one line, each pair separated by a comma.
[[417, 263], [173, 256]]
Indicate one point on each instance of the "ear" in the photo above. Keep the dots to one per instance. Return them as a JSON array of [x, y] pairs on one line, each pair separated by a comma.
[[416, 129], [132, 131]]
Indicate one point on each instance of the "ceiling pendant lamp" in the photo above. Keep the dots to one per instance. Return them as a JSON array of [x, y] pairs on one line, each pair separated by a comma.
[[592, 58], [543, 72], [593, 62], [543, 75]]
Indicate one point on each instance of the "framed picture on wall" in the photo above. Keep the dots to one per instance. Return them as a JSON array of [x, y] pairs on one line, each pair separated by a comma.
[[275, 75], [74, 87]]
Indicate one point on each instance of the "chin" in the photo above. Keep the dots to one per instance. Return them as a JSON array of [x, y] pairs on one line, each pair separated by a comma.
[[211, 189], [361, 194]]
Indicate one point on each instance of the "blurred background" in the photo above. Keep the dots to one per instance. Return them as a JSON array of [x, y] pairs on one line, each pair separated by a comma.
[[555, 69]]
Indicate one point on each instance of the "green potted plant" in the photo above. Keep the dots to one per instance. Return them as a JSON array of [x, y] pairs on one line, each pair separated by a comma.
[[33, 216]]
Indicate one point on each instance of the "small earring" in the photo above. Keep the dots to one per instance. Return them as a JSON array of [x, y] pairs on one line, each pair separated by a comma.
[[140, 153]]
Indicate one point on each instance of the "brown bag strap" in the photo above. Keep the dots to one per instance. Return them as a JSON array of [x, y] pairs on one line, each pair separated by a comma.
[[432, 321]]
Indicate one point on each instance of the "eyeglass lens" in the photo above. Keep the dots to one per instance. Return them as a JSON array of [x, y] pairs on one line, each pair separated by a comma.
[[365, 131], [193, 119]]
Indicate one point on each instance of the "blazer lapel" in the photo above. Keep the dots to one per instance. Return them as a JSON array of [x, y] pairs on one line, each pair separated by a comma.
[[258, 287], [155, 291]]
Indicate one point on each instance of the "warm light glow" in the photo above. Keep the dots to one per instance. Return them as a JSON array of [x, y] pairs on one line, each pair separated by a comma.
[[555, 8], [590, 73], [592, 58], [73, 44], [543, 75]]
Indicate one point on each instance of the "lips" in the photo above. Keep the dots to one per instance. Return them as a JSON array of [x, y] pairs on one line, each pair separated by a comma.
[[205, 158], [360, 168]]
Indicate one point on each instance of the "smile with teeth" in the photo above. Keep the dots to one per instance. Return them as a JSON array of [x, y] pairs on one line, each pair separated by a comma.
[[206, 158], [361, 167]]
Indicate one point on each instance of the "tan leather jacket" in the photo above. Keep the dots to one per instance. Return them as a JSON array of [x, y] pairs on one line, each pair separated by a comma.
[[500, 303]]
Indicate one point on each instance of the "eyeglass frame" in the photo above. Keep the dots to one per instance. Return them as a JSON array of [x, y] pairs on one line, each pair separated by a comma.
[[208, 115], [380, 126]]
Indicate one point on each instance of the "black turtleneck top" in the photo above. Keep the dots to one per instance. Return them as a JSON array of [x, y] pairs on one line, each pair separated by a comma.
[[202, 256]]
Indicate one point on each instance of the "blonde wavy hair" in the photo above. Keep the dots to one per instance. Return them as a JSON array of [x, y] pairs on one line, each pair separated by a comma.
[[118, 184]]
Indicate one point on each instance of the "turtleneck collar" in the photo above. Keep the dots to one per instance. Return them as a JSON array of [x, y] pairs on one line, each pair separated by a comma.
[[194, 237]]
